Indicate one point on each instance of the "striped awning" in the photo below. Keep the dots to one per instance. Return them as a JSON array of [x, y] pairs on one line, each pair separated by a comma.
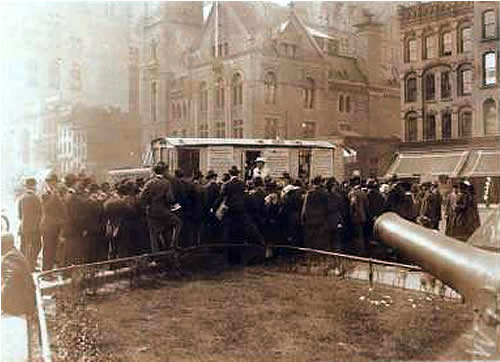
[[482, 163], [432, 163]]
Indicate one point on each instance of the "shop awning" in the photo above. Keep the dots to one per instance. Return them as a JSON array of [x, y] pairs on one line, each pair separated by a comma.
[[429, 163], [483, 163]]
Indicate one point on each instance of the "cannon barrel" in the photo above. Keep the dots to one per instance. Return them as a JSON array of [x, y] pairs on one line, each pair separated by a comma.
[[473, 272]]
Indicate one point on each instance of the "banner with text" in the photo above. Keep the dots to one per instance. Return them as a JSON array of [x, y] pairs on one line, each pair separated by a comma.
[[322, 163], [220, 159], [277, 160]]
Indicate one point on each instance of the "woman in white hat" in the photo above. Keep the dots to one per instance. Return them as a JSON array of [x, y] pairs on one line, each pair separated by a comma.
[[260, 169]]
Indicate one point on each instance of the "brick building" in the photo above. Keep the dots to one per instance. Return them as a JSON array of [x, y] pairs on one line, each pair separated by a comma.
[[258, 70], [449, 91]]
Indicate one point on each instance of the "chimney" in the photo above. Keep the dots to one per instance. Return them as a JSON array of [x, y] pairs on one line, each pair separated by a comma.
[[369, 44]]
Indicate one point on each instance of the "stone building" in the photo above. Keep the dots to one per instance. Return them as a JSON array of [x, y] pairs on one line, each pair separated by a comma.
[[449, 91], [63, 57], [258, 70]]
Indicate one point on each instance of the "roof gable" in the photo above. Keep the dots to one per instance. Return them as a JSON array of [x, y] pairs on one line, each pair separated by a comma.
[[294, 30]]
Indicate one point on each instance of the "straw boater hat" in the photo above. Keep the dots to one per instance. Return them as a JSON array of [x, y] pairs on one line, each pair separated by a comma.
[[260, 159]]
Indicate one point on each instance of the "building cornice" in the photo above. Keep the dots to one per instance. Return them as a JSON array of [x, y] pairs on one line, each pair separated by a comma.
[[428, 12]]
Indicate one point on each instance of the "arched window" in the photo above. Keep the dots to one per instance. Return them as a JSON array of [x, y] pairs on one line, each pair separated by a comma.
[[465, 39], [489, 68], [446, 125], [489, 24], [429, 128], [445, 85], [219, 93], [411, 89], [430, 87], [348, 104], [270, 88], [341, 103], [490, 117], [465, 123], [411, 127], [309, 94], [237, 86], [203, 97], [446, 43]]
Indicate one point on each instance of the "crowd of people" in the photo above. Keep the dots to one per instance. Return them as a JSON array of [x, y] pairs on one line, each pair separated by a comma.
[[78, 221]]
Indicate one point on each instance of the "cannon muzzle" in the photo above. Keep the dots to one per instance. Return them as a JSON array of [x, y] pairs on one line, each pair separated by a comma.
[[469, 270], [473, 272]]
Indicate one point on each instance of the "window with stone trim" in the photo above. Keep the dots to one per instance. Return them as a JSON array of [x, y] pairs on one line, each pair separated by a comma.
[[445, 85], [411, 50], [309, 129], [490, 117], [489, 24], [219, 94], [271, 128], [430, 87], [154, 101], [465, 81], [489, 68], [309, 94], [446, 125], [220, 129], [237, 128], [270, 88], [203, 97], [203, 130], [429, 127], [446, 43], [411, 127], [348, 104], [430, 47], [237, 87], [466, 39], [411, 89], [341, 103], [465, 123]]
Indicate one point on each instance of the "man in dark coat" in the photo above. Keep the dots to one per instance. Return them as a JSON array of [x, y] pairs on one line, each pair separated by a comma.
[[334, 214], [158, 198], [358, 202], [18, 288], [431, 206], [211, 191], [52, 222], [460, 226], [256, 204], [76, 243], [314, 217], [30, 216], [236, 224], [375, 206]]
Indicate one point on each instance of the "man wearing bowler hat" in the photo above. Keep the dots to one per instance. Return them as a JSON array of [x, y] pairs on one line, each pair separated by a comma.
[[30, 216]]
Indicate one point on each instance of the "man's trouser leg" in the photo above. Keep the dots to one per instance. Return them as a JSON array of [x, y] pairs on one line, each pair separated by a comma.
[[50, 239], [175, 227], [154, 235]]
